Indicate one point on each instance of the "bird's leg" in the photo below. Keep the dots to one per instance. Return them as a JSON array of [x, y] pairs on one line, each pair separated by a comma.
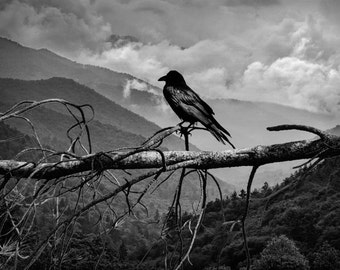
[[182, 128], [185, 131]]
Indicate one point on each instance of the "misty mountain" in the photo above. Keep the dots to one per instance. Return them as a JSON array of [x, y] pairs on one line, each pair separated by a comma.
[[335, 130], [106, 111], [52, 127], [19, 62], [245, 120]]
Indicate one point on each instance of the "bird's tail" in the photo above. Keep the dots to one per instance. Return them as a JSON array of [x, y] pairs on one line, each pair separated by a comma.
[[219, 132]]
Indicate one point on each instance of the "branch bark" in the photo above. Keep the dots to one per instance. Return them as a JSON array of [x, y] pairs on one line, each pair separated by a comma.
[[256, 156]]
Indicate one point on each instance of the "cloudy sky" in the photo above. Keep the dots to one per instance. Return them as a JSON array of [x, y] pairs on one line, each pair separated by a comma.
[[284, 51]]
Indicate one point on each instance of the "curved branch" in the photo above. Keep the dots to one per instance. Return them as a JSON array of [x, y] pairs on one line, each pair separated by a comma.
[[243, 220], [323, 135]]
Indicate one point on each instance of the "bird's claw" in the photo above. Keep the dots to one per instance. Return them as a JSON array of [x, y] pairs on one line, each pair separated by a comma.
[[184, 130]]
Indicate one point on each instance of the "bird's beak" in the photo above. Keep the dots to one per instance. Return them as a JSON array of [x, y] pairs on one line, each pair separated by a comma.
[[162, 78]]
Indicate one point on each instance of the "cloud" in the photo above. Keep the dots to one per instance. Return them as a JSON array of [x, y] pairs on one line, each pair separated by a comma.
[[295, 64], [330, 9], [207, 65], [158, 101], [293, 82], [300, 67], [137, 85], [251, 2], [210, 82], [53, 27], [183, 23]]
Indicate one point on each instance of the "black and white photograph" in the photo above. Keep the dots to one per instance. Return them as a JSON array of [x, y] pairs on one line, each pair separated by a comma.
[[170, 134]]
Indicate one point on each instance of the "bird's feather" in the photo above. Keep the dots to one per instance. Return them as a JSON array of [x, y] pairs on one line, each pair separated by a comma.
[[190, 97]]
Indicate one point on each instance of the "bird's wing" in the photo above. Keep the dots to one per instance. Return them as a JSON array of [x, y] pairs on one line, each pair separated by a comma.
[[189, 97], [209, 122], [196, 107]]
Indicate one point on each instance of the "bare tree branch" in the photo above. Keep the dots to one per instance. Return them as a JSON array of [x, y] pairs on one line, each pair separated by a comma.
[[258, 155]]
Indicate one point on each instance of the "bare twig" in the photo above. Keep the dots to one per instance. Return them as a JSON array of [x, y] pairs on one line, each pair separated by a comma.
[[199, 222], [250, 181]]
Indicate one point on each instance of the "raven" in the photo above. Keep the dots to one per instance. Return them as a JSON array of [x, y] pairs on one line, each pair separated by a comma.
[[189, 107]]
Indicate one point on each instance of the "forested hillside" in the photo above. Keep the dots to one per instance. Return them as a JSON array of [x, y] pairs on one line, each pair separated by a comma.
[[305, 208]]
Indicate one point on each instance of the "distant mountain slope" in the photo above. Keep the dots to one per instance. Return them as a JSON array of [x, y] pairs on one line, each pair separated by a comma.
[[106, 111], [52, 126], [335, 130], [19, 62]]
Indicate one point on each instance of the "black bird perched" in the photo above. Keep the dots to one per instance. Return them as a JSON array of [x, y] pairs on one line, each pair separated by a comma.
[[190, 107]]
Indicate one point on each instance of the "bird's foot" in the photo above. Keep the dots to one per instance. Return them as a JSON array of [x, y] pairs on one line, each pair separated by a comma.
[[185, 130]]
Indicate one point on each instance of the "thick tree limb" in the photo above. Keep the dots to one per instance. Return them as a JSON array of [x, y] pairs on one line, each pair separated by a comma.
[[255, 156]]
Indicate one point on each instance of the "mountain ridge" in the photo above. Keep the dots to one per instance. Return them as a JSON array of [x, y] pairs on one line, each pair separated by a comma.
[[20, 62]]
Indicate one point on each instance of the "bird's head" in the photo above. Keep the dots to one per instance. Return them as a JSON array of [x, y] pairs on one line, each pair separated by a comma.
[[173, 78]]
